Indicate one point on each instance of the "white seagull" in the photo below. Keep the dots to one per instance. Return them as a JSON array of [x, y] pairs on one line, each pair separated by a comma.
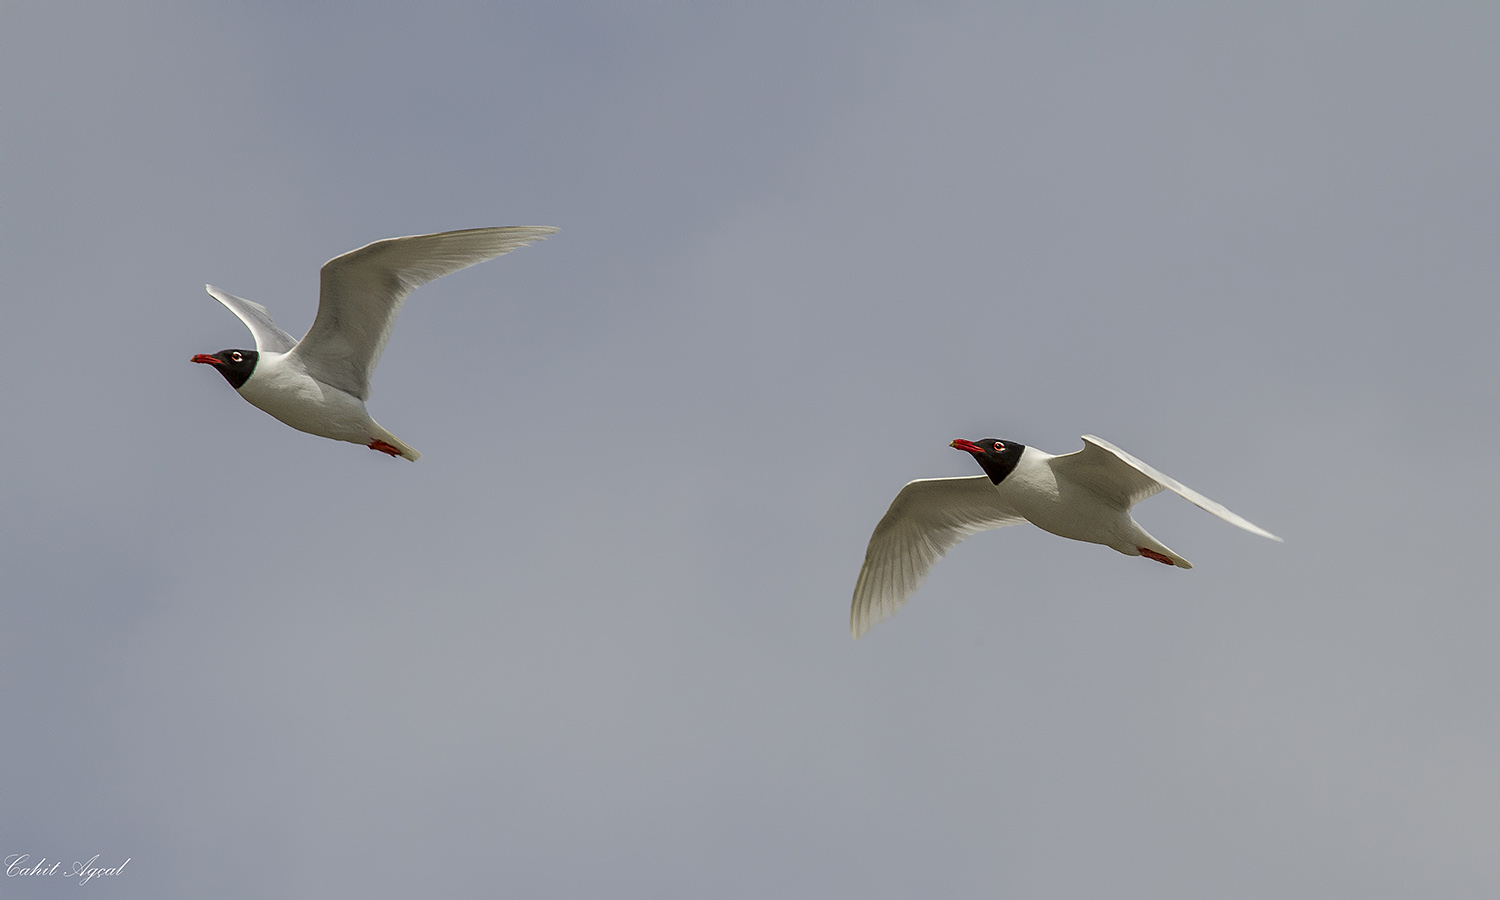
[[320, 384], [1085, 496]]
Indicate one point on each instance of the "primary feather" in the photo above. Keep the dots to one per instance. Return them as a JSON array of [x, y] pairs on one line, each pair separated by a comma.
[[268, 336], [362, 290], [928, 518]]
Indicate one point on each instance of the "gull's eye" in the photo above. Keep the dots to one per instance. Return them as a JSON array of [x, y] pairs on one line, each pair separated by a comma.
[[999, 446], [238, 357]]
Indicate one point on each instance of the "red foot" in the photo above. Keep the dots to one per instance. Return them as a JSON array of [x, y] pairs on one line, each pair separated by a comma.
[[385, 448], [1152, 554]]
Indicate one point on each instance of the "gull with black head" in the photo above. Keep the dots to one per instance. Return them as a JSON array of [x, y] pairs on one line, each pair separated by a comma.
[[320, 384], [1085, 496]]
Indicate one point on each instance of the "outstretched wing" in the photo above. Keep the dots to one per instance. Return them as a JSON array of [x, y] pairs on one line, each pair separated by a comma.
[[1121, 478], [928, 518], [362, 291], [268, 337]]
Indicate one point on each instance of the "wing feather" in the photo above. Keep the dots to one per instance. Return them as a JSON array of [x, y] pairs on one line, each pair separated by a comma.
[[362, 290], [268, 337], [928, 518], [1121, 478]]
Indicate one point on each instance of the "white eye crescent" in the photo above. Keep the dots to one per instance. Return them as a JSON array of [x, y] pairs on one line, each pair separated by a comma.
[[238, 358], [999, 446]]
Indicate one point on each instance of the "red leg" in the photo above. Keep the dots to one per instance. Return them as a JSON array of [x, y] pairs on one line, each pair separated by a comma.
[[1152, 554], [385, 448]]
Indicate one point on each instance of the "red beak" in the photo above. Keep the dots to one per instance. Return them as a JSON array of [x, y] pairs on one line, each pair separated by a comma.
[[210, 360], [968, 446]]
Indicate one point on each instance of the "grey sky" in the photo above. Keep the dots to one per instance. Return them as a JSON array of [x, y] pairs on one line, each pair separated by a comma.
[[595, 642]]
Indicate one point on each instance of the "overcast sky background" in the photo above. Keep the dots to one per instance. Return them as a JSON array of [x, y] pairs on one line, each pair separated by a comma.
[[595, 643]]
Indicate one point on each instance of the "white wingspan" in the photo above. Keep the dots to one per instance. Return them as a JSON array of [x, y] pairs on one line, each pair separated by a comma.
[[268, 337], [1084, 496], [320, 384], [928, 518], [363, 289], [1108, 470]]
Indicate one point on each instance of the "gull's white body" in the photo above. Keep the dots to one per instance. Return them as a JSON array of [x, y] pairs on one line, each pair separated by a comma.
[[1055, 503], [320, 384], [1085, 496], [282, 387]]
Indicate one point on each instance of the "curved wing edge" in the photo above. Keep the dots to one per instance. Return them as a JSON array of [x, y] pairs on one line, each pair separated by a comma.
[[1180, 489], [928, 518], [269, 338], [361, 292]]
